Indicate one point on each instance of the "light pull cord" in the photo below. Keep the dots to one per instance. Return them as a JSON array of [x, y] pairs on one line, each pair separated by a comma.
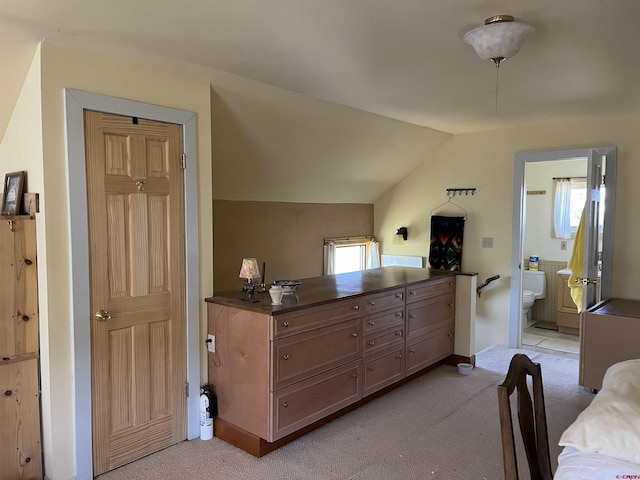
[[497, 77]]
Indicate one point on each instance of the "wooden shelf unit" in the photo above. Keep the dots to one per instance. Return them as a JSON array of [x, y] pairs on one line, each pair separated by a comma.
[[20, 448]]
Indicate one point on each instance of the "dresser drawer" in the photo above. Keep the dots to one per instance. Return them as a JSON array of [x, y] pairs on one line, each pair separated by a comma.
[[433, 288], [301, 404], [377, 341], [427, 315], [310, 318], [300, 356], [384, 300], [384, 368], [425, 351], [381, 321]]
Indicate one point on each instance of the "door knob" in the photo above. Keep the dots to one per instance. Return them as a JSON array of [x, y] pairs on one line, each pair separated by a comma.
[[102, 315]]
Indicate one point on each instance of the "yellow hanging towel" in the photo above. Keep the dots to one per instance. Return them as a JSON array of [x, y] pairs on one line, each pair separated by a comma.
[[575, 264]]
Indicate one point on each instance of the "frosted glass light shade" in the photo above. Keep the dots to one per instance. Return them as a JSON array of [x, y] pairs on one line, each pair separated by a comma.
[[498, 40], [249, 268]]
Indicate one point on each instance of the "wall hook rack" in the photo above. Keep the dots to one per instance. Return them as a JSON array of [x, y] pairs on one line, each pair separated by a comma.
[[451, 192]]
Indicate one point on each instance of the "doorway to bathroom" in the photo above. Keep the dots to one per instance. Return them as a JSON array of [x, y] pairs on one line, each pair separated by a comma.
[[548, 320]]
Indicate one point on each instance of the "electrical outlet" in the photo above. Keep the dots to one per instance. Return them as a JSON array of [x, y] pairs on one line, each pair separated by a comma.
[[211, 343], [563, 245]]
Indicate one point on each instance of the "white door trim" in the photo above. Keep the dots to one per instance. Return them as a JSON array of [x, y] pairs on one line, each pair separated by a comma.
[[76, 101]]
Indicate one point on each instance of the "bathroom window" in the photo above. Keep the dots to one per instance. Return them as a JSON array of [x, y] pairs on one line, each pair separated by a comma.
[[569, 199], [572, 193], [578, 198]]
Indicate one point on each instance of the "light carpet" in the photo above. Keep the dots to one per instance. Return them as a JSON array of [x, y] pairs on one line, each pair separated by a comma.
[[442, 425]]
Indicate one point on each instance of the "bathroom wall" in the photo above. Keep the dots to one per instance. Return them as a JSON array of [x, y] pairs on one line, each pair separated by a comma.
[[538, 238]]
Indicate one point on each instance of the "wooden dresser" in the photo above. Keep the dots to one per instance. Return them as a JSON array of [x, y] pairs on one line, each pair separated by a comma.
[[609, 334], [283, 370]]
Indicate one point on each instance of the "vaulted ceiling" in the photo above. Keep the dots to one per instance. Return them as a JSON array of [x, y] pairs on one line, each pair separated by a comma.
[[402, 59]]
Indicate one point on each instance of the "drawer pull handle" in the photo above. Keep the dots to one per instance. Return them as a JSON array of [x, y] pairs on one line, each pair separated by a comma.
[[372, 303], [372, 323], [370, 368], [399, 356], [412, 292], [450, 335], [356, 307], [399, 314], [451, 284], [285, 404], [354, 375], [354, 334], [371, 343], [451, 304], [399, 333], [285, 324], [413, 315], [398, 295], [286, 357], [412, 350]]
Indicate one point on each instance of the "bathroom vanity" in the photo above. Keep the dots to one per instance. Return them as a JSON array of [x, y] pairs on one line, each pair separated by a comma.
[[337, 342], [568, 318]]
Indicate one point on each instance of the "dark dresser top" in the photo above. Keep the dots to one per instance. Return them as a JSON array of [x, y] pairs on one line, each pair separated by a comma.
[[617, 306], [320, 290]]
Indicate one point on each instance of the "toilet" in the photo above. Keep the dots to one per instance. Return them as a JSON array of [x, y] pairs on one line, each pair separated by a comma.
[[534, 286]]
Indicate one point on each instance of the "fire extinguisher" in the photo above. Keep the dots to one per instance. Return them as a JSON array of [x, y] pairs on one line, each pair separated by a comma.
[[212, 404], [208, 409]]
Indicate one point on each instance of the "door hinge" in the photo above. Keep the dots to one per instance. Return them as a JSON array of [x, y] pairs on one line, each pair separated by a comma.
[[186, 390], [184, 161]]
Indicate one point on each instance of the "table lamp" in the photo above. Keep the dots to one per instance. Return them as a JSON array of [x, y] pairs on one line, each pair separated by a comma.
[[249, 271]]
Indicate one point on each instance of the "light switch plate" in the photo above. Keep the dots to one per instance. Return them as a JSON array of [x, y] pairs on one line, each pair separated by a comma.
[[211, 343], [487, 242]]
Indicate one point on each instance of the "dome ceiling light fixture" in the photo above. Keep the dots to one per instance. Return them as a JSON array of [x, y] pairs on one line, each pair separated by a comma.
[[499, 39]]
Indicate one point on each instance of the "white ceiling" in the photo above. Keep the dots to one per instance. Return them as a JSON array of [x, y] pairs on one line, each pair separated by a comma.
[[403, 59]]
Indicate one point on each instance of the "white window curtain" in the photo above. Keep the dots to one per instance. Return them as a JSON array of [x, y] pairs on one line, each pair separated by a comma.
[[373, 260], [561, 208], [329, 258]]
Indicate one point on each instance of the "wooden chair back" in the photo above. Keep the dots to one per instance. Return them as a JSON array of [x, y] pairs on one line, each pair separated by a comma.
[[531, 418]]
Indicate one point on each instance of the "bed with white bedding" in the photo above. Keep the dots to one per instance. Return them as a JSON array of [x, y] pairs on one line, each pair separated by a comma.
[[604, 441]]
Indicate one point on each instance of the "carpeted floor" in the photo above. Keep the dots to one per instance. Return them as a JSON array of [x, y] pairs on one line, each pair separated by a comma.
[[442, 425]]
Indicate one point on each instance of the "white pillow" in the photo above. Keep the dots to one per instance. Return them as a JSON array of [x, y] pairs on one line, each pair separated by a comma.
[[610, 425]]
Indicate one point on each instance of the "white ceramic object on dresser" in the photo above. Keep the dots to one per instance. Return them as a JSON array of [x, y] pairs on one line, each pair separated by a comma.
[[534, 287]]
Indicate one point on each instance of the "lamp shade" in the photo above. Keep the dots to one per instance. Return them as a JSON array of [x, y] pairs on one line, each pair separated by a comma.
[[499, 38], [249, 268]]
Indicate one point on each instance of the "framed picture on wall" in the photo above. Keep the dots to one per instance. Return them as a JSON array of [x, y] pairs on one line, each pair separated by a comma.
[[13, 185]]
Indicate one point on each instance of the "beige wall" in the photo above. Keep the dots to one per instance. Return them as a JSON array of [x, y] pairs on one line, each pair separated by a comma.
[[62, 68], [287, 236], [482, 160], [485, 161], [274, 145]]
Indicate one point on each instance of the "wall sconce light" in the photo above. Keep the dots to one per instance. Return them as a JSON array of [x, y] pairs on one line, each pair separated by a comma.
[[249, 271], [403, 231]]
